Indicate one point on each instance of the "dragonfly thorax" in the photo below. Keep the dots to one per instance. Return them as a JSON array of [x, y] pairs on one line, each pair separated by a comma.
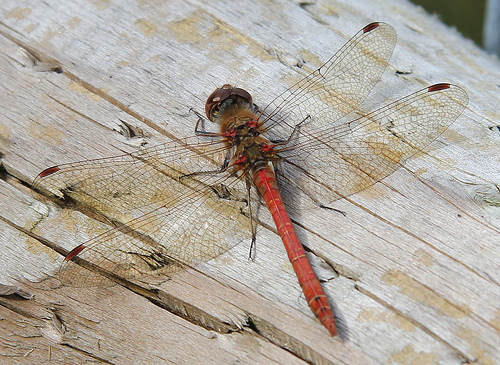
[[233, 110]]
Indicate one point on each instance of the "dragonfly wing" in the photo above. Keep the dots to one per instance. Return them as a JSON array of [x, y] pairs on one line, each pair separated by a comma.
[[333, 162], [168, 206], [123, 186], [338, 87], [193, 225]]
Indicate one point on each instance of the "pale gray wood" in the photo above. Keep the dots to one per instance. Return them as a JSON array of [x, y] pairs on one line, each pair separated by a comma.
[[417, 255]]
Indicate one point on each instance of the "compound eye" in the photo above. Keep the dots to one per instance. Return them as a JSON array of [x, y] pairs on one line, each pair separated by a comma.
[[217, 97], [242, 94]]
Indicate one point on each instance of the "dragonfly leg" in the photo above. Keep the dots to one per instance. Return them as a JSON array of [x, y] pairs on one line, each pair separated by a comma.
[[306, 192], [253, 226], [199, 128], [296, 130], [255, 109], [333, 209], [196, 173], [209, 172]]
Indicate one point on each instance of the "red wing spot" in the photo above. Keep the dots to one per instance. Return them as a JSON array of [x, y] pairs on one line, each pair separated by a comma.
[[371, 27], [438, 87], [74, 252], [49, 171]]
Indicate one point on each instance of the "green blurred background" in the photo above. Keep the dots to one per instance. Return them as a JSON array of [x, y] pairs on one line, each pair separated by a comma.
[[466, 15]]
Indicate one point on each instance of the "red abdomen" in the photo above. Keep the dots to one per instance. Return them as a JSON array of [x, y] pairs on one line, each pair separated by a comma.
[[265, 181]]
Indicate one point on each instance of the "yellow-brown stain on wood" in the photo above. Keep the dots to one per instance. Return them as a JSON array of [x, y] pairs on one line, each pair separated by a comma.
[[52, 135], [200, 28], [79, 88], [408, 355], [375, 191], [385, 316], [478, 348], [496, 321], [68, 221], [18, 13], [333, 9], [287, 266], [30, 28], [147, 28], [123, 64], [101, 4], [186, 30], [451, 135], [5, 133], [420, 172], [229, 38], [419, 292], [74, 22], [50, 34], [313, 62], [73, 227], [36, 248], [424, 258]]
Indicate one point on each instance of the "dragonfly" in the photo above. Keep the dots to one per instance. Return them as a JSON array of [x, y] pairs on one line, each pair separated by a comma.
[[190, 200]]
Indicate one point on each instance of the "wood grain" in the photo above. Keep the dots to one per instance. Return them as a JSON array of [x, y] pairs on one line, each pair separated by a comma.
[[412, 269]]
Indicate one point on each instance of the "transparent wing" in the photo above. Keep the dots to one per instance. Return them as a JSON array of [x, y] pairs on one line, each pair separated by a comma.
[[336, 88], [163, 217], [332, 162], [192, 226], [116, 186]]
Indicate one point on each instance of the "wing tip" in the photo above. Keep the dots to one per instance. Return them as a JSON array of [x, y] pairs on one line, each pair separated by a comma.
[[48, 171], [371, 27], [438, 87], [74, 252]]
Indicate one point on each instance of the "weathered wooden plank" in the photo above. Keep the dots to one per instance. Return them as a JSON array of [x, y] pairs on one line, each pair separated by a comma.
[[113, 324], [417, 257]]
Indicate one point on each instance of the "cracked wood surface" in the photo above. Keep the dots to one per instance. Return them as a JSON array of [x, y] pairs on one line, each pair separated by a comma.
[[412, 269]]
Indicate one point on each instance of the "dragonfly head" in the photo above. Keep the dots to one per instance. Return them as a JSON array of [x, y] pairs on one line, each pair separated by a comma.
[[223, 97]]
